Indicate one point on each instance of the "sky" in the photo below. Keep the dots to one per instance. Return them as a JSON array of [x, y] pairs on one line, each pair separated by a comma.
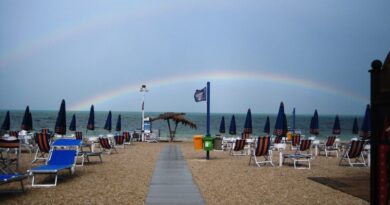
[[308, 54]]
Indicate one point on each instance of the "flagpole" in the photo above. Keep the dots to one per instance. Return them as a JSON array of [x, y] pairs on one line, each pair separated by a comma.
[[208, 117]]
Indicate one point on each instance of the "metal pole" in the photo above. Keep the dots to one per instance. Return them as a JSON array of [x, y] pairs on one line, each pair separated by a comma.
[[208, 117], [143, 117]]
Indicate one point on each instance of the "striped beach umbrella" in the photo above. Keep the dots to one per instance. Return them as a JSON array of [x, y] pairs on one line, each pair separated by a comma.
[[336, 126], [222, 125], [280, 127], [118, 124], [232, 128], [72, 126], [267, 128], [314, 125], [108, 125], [365, 131], [60, 127], [6, 123], [91, 119], [248, 122], [355, 127]]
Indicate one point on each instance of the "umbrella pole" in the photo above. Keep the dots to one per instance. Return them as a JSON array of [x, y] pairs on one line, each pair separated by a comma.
[[208, 117]]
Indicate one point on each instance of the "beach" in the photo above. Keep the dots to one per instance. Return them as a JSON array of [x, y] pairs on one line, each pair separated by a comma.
[[124, 178]]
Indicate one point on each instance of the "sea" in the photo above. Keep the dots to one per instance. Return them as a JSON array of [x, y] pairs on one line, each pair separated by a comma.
[[132, 121]]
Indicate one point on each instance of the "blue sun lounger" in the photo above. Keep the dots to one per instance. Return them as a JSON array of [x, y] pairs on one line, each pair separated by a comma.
[[59, 159], [8, 178]]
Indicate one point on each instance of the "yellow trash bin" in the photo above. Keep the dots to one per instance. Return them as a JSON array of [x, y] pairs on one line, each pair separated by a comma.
[[198, 142], [289, 136]]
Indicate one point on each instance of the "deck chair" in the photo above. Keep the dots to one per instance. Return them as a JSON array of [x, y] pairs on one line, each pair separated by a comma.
[[9, 178], [354, 151], [262, 150], [329, 146], [78, 135], [13, 133], [105, 145], [136, 136], [58, 160], [43, 142], [127, 137], [300, 155], [295, 140], [11, 155], [245, 135], [119, 141], [87, 153], [238, 148]]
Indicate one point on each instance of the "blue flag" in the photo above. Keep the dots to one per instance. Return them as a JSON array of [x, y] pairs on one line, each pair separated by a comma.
[[200, 95]]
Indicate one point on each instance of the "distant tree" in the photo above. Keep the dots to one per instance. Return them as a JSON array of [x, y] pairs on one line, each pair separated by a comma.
[[177, 118]]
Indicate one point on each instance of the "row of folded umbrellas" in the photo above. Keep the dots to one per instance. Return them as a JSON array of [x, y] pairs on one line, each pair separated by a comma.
[[60, 126], [281, 127]]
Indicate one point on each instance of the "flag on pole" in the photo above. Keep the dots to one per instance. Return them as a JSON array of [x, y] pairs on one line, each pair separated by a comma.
[[200, 95]]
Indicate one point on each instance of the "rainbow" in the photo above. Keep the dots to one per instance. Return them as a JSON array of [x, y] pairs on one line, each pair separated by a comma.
[[216, 76]]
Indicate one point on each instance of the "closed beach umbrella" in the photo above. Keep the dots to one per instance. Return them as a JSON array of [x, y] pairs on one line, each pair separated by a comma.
[[293, 121], [25, 122], [314, 126], [118, 124], [30, 121], [355, 127], [248, 122], [60, 127], [232, 128], [72, 126], [108, 124], [280, 127], [7, 122], [365, 131], [222, 125], [267, 128], [336, 126], [91, 119]]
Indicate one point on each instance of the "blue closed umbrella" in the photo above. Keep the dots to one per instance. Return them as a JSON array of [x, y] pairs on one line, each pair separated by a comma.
[[108, 124], [72, 126], [6, 123], [355, 127], [222, 125], [267, 128], [118, 124], [280, 127], [248, 122], [27, 120], [336, 126], [365, 131], [314, 125], [232, 128], [60, 127], [293, 121], [91, 119]]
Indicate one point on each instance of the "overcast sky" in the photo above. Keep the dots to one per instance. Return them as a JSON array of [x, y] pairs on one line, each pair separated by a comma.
[[308, 54]]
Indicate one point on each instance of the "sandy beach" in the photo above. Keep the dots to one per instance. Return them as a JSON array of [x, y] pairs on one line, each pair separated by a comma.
[[124, 177]]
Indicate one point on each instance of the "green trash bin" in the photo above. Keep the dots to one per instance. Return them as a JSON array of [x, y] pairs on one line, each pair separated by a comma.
[[208, 143]]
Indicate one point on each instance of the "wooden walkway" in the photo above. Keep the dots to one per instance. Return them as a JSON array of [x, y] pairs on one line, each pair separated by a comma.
[[172, 181]]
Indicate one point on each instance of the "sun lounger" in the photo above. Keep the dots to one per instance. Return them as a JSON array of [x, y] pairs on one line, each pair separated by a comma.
[[58, 160], [43, 142], [105, 145], [262, 150], [238, 147], [329, 146], [9, 155], [354, 151], [299, 155], [9, 178]]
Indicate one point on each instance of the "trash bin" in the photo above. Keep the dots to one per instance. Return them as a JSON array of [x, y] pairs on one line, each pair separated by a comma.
[[218, 143], [198, 142], [208, 143]]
